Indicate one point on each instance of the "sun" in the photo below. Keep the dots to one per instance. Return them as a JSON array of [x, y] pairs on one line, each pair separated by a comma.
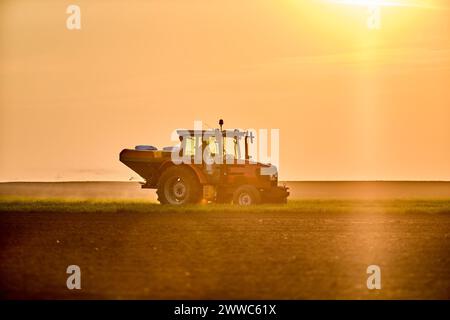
[[367, 3]]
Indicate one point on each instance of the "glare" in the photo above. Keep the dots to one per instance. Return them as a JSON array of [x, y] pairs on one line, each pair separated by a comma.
[[368, 3], [374, 7], [383, 3]]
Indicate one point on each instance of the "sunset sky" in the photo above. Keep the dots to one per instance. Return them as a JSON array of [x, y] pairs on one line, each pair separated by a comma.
[[351, 103]]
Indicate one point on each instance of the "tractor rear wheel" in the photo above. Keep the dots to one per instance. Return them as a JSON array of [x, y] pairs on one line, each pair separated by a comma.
[[246, 195], [223, 197], [178, 185]]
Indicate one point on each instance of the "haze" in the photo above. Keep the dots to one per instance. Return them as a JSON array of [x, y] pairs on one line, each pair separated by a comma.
[[351, 103]]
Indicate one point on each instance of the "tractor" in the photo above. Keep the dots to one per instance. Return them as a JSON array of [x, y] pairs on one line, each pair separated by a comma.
[[208, 165]]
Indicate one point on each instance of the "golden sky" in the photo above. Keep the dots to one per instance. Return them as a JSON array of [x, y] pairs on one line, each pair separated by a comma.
[[351, 103]]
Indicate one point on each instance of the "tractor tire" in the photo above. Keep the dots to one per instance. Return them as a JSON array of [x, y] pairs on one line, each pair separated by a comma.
[[246, 195], [178, 185]]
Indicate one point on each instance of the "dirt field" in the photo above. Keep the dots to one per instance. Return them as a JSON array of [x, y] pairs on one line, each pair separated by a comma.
[[306, 250]]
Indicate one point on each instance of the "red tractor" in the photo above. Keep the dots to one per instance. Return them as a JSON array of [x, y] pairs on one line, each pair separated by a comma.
[[208, 165]]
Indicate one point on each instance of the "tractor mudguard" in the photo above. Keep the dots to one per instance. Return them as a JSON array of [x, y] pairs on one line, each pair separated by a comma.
[[195, 168]]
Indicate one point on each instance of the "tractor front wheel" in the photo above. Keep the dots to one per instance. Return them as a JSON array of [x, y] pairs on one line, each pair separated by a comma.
[[246, 195], [177, 186]]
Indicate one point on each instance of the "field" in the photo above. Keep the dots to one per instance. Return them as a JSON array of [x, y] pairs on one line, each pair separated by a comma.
[[309, 249]]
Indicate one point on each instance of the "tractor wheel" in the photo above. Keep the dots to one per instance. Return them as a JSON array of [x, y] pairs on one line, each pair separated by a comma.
[[177, 186], [246, 195]]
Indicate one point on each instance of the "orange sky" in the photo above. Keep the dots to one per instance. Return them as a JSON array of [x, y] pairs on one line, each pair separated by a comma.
[[351, 103]]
